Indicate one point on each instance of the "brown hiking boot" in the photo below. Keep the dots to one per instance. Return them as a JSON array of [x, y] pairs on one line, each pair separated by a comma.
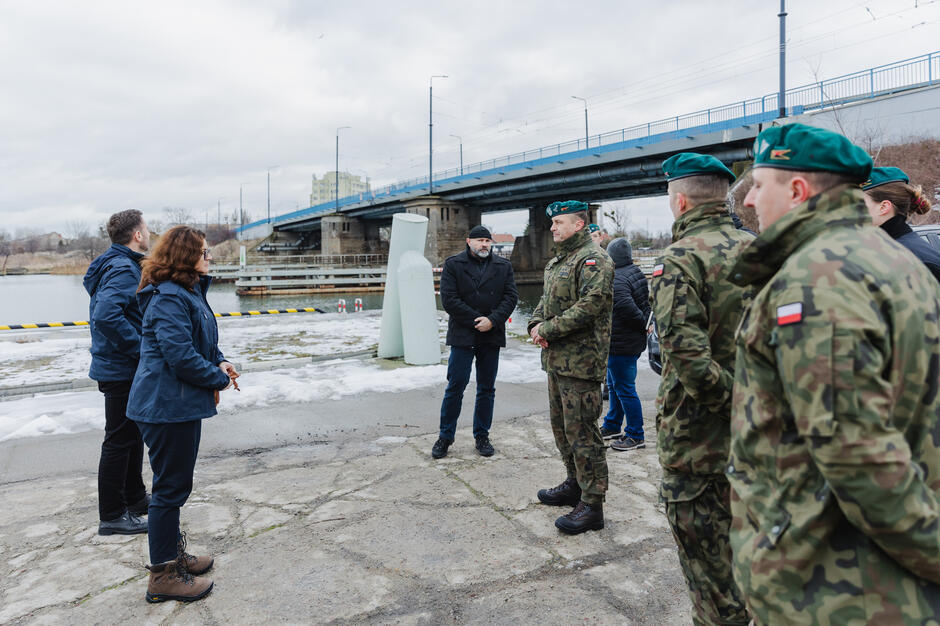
[[567, 492], [169, 581], [195, 565]]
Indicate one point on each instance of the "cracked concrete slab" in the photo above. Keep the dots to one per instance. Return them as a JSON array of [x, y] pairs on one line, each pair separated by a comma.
[[357, 526]]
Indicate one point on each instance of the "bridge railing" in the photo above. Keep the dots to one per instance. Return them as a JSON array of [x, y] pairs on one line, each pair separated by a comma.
[[873, 82]]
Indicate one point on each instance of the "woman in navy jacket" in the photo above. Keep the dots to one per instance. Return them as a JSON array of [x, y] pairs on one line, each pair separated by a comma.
[[890, 198], [180, 373]]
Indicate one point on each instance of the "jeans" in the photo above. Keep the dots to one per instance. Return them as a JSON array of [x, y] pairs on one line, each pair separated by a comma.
[[122, 454], [173, 450], [621, 382], [458, 375]]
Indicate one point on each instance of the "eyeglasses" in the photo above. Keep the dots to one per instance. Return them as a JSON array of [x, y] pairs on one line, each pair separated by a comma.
[[206, 254]]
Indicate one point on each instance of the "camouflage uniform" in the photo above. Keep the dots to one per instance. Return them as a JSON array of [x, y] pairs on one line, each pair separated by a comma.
[[575, 315], [697, 309], [835, 450]]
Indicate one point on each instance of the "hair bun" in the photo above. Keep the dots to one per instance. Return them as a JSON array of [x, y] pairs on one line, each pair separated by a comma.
[[920, 204]]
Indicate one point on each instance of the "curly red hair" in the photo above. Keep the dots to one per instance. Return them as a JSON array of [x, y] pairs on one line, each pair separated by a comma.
[[174, 258]]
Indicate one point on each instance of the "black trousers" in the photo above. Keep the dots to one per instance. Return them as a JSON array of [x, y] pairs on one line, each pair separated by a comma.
[[173, 450], [122, 454]]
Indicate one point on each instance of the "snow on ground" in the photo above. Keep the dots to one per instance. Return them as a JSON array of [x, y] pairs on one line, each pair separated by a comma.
[[61, 355], [56, 355]]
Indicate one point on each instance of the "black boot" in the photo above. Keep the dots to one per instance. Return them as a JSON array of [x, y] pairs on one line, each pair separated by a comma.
[[484, 447], [439, 450], [583, 517], [567, 493]]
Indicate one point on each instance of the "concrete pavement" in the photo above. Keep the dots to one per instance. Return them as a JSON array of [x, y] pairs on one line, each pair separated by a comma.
[[337, 513]]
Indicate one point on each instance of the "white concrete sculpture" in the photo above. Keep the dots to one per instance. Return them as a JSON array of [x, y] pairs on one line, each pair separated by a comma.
[[418, 310], [410, 292]]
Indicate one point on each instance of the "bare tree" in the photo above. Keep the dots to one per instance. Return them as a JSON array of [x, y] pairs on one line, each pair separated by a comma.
[[91, 244], [6, 249], [176, 215], [620, 216]]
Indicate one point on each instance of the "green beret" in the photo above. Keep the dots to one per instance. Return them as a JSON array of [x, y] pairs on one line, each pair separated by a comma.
[[594, 228], [883, 176], [568, 206], [687, 164], [810, 149]]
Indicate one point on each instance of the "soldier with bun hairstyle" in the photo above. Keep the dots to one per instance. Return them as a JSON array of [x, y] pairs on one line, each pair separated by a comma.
[[890, 199]]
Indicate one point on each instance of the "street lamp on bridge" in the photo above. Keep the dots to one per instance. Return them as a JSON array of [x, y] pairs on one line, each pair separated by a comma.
[[337, 164], [584, 100], [458, 138], [431, 131], [271, 167], [241, 212]]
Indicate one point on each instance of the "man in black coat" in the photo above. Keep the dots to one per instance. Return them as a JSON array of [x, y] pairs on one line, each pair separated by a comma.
[[479, 294], [627, 342]]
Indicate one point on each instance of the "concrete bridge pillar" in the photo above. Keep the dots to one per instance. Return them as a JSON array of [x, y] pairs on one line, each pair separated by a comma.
[[342, 235], [448, 226]]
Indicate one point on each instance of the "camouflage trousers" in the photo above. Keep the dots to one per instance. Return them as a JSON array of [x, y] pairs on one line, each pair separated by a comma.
[[574, 406], [700, 527]]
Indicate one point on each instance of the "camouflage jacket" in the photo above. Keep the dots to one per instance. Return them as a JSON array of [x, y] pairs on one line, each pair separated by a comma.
[[697, 310], [835, 434], [575, 309]]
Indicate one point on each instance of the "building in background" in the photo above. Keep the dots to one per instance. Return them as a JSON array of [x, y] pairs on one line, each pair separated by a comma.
[[503, 244], [324, 189]]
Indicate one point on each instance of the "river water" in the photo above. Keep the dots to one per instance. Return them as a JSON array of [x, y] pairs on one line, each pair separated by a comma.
[[53, 298]]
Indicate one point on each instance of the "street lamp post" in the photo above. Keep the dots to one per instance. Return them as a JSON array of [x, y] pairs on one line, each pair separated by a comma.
[[431, 131], [337, 164], [269, 191], [584, 100], [241, 212], [458, 138], [782, 96]]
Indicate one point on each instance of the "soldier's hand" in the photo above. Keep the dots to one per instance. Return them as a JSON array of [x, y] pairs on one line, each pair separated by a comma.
[[537, 339], [483, 324]]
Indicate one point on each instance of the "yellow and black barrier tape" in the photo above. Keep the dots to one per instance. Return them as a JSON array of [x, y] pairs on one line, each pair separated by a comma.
[[232, 314], [269, 312], [42, 325]]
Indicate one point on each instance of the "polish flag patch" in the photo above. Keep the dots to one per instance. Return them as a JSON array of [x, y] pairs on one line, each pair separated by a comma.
[[658, 270], [590, 262], [790, 313]]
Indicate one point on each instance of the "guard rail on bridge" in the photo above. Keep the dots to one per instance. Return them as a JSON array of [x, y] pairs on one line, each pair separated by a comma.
[[874, 82]]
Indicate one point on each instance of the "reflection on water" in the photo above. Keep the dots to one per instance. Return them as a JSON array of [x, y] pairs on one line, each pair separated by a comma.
[[48, 298]]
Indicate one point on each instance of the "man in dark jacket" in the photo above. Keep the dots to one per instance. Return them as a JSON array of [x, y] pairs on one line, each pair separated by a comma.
[[479, 294], [627, 342], [115, 320]]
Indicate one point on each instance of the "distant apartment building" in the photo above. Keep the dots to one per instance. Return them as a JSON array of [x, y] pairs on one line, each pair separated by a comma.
[[324, 189]]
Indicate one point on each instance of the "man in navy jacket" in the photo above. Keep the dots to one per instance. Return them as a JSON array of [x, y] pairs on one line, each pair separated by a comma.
[[115, 320], [478, 292]]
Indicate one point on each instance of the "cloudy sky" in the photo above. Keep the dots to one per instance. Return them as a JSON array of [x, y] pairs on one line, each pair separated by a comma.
[[109, 105]]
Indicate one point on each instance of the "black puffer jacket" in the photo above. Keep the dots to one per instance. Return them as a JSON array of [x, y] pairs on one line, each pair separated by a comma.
[[631, 302]]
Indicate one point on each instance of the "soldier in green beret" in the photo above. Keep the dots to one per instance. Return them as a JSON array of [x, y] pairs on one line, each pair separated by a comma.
[[890, 199], [572, 325], [835, 432], [697, 310]]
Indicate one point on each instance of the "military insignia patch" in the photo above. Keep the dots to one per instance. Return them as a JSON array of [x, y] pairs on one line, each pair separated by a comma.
[[590, 262], [658, 270], [780, 154], [789, 313]]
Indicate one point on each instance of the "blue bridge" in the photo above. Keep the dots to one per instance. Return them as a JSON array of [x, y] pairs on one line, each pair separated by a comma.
[[621, 164]]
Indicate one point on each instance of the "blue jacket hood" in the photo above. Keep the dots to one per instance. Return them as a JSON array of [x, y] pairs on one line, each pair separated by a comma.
[[100, 265]]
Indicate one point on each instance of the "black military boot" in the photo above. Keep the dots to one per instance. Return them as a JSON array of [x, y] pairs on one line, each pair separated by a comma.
[[567, 493], [439, 450], [583, 517]]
